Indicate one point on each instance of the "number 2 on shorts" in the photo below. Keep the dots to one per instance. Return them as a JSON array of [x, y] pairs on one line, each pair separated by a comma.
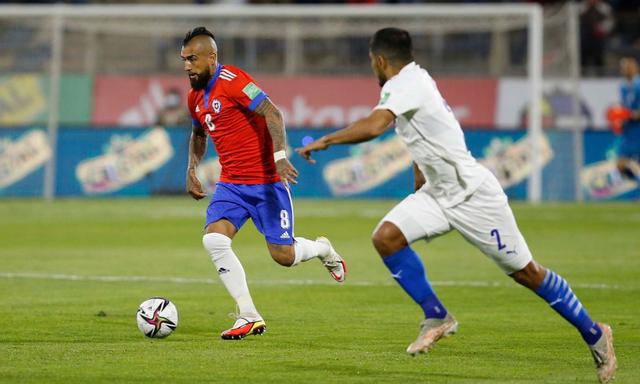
[[495, 233]]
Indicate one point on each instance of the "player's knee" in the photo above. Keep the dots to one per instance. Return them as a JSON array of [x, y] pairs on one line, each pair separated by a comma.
[[387, 239], [531, 276], [216, 244], [282, 254]]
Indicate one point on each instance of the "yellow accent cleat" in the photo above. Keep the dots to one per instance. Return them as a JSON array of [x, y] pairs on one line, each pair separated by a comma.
[[244, 327]]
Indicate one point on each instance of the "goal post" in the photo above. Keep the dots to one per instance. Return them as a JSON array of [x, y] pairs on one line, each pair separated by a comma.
[[90, 38], [535, 29]]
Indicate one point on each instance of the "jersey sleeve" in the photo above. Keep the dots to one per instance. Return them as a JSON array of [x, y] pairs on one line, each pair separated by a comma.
[[191, 108], [244, 90], [398, 100]]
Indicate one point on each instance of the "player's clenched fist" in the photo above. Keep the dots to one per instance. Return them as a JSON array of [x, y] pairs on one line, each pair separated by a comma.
[[194, 188], [287, 172]]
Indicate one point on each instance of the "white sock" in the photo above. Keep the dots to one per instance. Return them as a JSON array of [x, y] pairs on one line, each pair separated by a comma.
[[230, 271], [306, 249]]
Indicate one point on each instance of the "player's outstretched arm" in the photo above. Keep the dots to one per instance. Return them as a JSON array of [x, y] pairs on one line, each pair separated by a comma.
[[359, 131], [275, 125], [197, 149]]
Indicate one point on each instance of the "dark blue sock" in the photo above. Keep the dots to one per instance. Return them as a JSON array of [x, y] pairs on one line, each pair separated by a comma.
[[408, 270], [557, 292]]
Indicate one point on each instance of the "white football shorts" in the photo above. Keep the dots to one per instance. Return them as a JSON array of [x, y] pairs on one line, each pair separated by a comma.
[[484, 219]]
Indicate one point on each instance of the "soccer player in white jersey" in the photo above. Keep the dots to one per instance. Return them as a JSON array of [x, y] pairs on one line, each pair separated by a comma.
[[452, 191]]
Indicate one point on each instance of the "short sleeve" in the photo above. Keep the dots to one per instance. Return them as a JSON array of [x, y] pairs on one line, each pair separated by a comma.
[[246, 92], [398, 100]]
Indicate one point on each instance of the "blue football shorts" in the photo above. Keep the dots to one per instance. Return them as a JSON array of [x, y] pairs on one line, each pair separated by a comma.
[[629, 146], [629, 149], [268, 205]]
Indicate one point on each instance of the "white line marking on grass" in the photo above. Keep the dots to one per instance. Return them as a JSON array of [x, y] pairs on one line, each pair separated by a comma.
[[195, 280]]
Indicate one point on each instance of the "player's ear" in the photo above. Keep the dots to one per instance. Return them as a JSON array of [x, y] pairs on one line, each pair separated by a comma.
[[381, 61], [212, 59]]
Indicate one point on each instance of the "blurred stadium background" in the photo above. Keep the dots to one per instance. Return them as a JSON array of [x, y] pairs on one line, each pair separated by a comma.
[[93, 115], [121, 127]]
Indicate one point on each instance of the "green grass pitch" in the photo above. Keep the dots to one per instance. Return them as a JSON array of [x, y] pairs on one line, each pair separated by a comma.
[[73, 272]]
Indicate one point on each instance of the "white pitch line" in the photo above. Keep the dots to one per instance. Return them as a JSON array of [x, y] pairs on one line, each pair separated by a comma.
[[195, 280]]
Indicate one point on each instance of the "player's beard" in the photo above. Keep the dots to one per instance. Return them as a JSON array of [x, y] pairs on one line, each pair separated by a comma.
[[201, 81], [380, 75], [381, 81]]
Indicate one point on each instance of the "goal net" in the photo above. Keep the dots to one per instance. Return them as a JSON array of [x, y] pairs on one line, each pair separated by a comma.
[[117, 66]]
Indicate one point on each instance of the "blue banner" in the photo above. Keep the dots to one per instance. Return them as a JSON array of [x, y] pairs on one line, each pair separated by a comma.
[[23, 154], [150, 161]]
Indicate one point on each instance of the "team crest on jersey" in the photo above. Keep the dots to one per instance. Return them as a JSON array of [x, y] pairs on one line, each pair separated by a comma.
[[216, 105], [384, 98]]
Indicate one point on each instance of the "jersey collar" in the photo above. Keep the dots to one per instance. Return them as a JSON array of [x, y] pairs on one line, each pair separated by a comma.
[[212, 81], [408, 67]]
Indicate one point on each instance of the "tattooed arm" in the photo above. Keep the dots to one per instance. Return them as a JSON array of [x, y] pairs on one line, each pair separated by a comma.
[[197, 149], [275, 125]]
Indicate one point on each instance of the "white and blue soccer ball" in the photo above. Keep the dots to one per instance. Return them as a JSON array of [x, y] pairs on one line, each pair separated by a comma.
[[157, 317]]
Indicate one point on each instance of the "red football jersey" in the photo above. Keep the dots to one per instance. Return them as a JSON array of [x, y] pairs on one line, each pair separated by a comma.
[[225, 108]]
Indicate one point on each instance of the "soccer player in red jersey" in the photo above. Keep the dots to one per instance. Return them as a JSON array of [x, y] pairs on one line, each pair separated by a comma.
[[248, 132]]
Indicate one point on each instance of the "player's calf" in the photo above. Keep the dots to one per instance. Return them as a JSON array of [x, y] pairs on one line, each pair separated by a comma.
[[282, 254], [555, 290]]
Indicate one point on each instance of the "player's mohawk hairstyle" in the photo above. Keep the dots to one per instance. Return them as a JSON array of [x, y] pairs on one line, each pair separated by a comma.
[[197, 31]]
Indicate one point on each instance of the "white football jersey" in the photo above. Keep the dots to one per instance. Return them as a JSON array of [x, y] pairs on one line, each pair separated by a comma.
[[435, 140]]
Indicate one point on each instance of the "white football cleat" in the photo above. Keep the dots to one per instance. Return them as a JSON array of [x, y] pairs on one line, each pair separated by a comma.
[[604, 355], [333, 262], [432, 330]]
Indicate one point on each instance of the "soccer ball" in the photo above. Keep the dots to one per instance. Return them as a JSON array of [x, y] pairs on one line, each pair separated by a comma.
[[157, 317]]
